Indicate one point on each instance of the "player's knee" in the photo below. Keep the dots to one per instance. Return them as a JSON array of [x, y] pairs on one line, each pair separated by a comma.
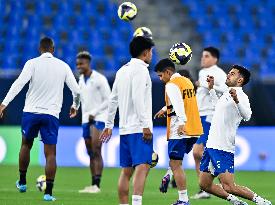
[[197, 155], [229, 188], [204, 186], [175, 164]]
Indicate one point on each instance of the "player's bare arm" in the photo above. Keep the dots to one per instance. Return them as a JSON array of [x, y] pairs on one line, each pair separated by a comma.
[[2, 108]]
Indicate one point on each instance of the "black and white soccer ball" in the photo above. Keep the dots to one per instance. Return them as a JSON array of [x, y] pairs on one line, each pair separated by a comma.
[[127, 11], [180, 53], [41, 183], [143, 31], [155, 159]]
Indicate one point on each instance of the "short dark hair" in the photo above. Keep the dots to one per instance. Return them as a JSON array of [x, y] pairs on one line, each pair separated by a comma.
[[46, 43], [213, 51], [140, 44], [163, 64], [243, 72], [84, 55]]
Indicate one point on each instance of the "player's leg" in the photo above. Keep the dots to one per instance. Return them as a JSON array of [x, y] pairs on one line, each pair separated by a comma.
[[141, 154], [197, 154], [86, 134], [97, 160], [49, 132], [139, 179], [50, 168], [24, 161], [208, 171], [180, 178], [30, 129], [228, 183], [176, 150], [127, 170], [123, 184]]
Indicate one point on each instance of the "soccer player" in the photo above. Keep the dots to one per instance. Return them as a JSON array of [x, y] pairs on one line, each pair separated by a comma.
[[132, 95], [94, 94], [162, 113], [209, 60], [183, 121], [43, 103], [218, 157]]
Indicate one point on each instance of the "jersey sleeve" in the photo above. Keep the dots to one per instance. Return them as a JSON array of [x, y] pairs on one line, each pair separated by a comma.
[[175, 97], [73, 86], [112, 106], [19, 83]]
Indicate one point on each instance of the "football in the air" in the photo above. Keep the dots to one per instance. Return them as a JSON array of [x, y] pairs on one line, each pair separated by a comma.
[[155, 159], [41, 183], [143, 31], [127, 11], [180, 53]]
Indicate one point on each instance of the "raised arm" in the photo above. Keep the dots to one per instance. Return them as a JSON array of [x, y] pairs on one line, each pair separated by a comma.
[[243, 104]]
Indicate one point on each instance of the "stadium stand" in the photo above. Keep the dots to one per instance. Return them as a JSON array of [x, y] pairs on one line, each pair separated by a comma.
[[91, 25], [243, 30]]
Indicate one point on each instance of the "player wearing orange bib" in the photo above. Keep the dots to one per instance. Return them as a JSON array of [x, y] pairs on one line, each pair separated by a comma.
[[183, 121]]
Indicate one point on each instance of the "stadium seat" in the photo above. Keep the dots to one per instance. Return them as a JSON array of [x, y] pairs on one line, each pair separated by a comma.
[[84, 25]]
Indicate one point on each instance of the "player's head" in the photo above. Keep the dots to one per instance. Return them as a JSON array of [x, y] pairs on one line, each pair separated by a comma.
[[83, 61], [238, 76], [185, 73], [141, 48], [210, 56], [165, 68], [46, 45]]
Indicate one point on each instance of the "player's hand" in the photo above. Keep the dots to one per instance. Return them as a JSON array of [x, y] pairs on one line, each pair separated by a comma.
[[181, 130], [160, 114], [73, 112], [2, 108], [210, 80], [106, 135], [233, 94], [147, 135], [91, 118]]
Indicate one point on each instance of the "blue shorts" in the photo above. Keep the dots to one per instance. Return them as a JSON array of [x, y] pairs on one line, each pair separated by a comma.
[[86, 128], [134, 151], [47, 125], [217, 161], [178, 147], [206, 127]]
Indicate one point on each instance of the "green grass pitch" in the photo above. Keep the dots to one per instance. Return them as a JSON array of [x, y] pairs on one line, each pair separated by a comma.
[[70, 180]]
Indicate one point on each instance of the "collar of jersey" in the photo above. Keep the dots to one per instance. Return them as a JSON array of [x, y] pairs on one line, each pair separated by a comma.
[[47, 55], [136, 60], [175, 75]]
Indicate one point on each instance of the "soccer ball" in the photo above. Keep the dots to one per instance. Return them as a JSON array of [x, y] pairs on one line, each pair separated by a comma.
[[180, 53], [155, 159], [127, 11], [143, 31], [41, 183]]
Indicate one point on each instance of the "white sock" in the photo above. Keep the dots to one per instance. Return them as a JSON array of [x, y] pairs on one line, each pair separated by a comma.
[[232, 198], [136, 200], [169, 171], [183, 195], [257, 199]]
